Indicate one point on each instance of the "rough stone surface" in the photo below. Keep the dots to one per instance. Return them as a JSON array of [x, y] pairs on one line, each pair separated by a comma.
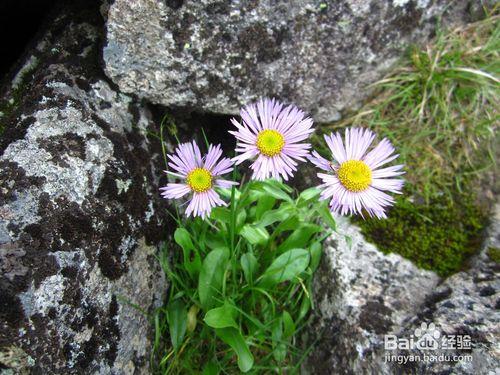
[[360, 295], [79, 221], [363, 295], [217, 55], [466, 303]]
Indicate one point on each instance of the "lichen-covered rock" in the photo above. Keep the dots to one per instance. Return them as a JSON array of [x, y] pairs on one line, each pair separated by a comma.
[[361, 295], [79, 221], [217, 55]]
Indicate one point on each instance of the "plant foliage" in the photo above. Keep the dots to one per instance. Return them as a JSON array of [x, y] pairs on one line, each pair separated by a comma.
[[241, 282]]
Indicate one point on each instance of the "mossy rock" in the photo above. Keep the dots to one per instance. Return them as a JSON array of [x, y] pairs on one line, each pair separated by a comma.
[[440, 236], [494, 254]]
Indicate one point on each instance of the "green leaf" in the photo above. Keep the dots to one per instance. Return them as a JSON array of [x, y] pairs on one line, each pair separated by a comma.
[[286, 267], [277, 193], [221, 214], [254, 235], [249, 264], [305, 305], [279, 352], [289, 224], [288, 325], [280, 214], [265, 203], [250, 197], [211, 276], [240, 220], [307, 196], [177, 321], [299, 237], [326, 215], [221, 317], [277, 185], [192, 259], [226, 193], [235, 340], [211, 368], [215, 240], [316, 250]]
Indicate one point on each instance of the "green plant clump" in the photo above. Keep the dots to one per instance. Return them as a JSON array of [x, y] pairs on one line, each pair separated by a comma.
[[439, 236], [241, 283]]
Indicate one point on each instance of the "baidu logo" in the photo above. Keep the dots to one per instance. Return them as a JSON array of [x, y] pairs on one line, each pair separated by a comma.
[[426, 337]]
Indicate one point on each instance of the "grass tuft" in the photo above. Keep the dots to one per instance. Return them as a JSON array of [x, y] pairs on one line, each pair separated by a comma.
[[440, 108]]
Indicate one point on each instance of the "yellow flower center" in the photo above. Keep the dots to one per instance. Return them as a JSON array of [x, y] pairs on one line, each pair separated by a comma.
[[355, 175], [270, 142], [199, 180]]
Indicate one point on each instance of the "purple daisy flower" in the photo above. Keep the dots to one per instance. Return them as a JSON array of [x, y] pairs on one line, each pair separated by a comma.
[[271, 134], [357, 181], [200, 176]]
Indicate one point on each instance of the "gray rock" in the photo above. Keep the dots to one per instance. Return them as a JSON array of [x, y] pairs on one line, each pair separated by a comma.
[[363, 295], [215, 56], [79, 214], [465, 304]]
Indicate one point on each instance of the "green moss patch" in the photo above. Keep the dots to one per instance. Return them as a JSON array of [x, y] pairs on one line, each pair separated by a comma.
[[494, 254], [439, 236]]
